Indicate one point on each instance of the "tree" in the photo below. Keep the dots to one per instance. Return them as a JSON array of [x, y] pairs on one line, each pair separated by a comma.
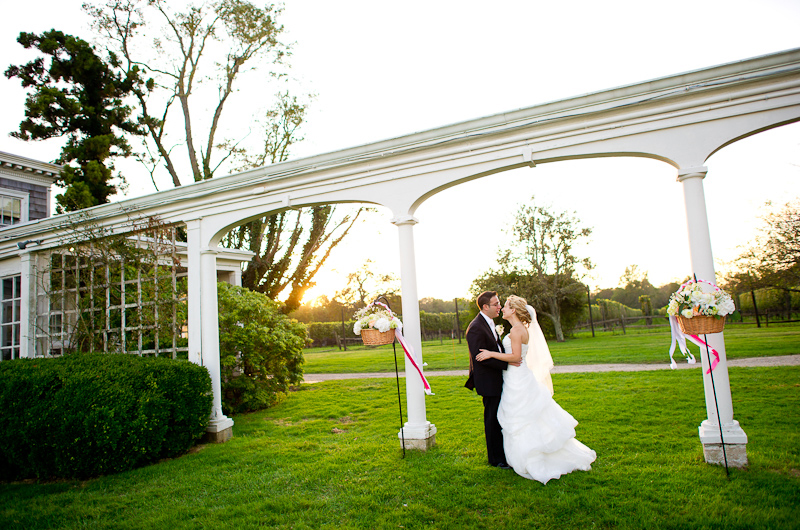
[[364, 284], [435, 305], [633, 285], [80, 96], [771, 262], [210, 42], [322, 309], [545, 255], [773, 259], [522, 283], [217, 42], [281, 125], [282, 259], [664, 292]]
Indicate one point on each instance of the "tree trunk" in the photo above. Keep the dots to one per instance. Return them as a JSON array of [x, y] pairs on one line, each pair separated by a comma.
[[555, 316], [559, 331]]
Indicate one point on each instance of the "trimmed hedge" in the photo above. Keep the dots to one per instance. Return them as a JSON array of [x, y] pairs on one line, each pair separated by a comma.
[[84, 415], [324, 333]]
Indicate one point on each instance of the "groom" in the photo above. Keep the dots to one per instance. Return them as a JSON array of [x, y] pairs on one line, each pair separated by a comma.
[[486, 376]]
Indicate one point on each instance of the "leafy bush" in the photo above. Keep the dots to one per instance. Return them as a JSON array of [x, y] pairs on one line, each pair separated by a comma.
[[85, 415], [261, 349]]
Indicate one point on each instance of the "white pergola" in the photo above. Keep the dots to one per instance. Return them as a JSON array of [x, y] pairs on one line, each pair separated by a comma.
[[681, 120]]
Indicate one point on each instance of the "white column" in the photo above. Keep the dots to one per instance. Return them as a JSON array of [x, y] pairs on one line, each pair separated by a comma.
[[219, 425], [27, 304], [193, 287], [418, 432], [703, 266], [204, 323]]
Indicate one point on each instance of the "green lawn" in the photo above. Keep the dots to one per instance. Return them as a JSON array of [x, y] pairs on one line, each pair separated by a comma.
[[637, 346], [328, 457]]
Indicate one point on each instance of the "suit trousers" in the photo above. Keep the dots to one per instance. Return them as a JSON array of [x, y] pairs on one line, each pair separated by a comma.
[[493, 431]]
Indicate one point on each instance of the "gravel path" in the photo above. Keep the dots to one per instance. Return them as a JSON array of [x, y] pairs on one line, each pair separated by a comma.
[[780, 360]]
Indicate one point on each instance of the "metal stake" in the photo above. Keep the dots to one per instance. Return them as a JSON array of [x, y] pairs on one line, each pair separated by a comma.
[[399, 400], [716, 403], [397, 378], [719, 420]]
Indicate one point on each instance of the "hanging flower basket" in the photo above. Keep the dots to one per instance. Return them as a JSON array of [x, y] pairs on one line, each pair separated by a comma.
[[376, 324], [373, 337], [700, 309], [701, 325]]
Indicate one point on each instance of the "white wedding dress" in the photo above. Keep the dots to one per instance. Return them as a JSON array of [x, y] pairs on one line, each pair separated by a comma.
[[538, 435]]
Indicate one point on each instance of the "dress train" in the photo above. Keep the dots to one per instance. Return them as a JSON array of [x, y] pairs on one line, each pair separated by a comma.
[[538, 435]]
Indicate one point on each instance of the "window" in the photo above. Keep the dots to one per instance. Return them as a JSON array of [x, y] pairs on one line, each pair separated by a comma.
[[13, 207], [9, 317]]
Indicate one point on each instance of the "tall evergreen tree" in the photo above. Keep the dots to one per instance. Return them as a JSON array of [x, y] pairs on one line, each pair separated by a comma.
[[78, 95]]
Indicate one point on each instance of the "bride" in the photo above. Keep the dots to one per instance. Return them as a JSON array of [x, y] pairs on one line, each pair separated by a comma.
[[538, 435]]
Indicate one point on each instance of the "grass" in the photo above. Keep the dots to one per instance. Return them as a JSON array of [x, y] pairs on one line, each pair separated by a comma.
[[637, 346], [328, 457]]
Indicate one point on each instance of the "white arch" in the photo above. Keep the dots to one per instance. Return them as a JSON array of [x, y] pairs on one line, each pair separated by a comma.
[[681, 120]]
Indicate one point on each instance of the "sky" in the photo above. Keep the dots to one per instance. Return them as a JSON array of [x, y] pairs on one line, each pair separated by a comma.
[[384, 69]]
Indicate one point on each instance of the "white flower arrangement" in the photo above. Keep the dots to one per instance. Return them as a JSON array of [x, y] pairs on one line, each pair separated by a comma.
[[376, 316], [499, 329], [691, 300]]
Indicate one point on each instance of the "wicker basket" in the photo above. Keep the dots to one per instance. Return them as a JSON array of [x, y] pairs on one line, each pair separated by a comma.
[[701, 324], [373, 337]]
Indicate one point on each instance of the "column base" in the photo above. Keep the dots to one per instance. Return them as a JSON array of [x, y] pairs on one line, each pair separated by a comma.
[[735, 453], [735, 444], [418, 437], [219, 430]]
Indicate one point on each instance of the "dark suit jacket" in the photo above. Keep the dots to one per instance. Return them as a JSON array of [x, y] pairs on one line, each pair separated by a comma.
[[486, 377]]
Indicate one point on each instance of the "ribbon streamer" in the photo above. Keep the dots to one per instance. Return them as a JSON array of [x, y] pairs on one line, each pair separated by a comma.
[[409, 355], [679, 338]]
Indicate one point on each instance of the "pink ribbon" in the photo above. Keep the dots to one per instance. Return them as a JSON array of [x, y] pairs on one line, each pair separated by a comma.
[[679, 338], [409, 355], [700, 342], [698, 281]]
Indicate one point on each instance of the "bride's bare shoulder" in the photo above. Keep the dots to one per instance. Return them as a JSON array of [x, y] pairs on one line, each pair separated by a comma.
[[520, 332]]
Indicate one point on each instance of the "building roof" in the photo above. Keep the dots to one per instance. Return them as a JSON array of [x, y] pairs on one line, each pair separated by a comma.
[[35, 170]]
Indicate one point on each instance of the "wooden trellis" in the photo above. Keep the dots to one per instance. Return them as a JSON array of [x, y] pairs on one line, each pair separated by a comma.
[[114, 294]]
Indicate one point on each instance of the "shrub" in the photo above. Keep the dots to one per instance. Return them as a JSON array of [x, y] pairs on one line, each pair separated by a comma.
[[261, 349], [85, 415]]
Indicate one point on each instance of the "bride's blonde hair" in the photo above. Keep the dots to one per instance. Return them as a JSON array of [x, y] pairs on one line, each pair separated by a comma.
[[519, 305]]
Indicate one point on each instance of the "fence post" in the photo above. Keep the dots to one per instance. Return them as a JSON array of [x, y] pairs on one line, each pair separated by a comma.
[[755, 308], [458, 322], [622, 318], [344, 336], [589, 299]]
